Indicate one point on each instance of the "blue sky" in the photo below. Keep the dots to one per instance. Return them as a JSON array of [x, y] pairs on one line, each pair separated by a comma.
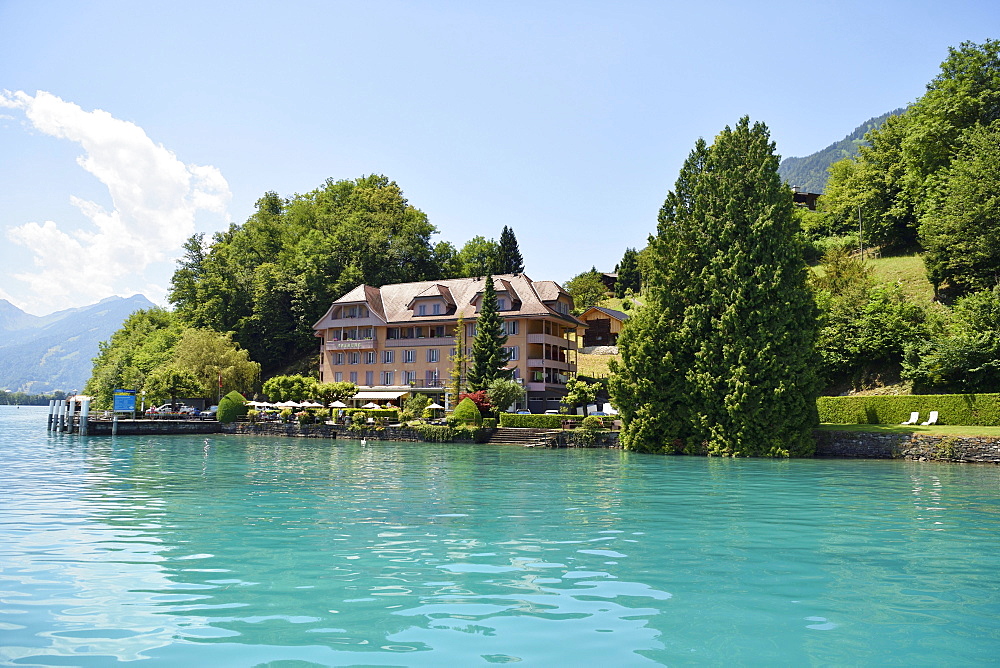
[[125, 127]]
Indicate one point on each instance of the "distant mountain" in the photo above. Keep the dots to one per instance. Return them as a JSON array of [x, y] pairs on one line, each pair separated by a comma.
[[809, 173], [56, 351]]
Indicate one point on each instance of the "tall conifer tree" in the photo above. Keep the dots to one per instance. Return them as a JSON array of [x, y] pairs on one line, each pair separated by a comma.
[[509, 260], [722, 356], [488, 355], [629, 277]]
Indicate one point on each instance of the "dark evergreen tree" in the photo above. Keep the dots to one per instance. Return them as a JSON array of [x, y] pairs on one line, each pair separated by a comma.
[[722, 359], [488, 355], [509, 260], [629, 277]]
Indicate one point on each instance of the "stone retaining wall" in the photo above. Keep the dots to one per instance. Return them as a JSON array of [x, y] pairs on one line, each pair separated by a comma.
[[153, 427], [843, 444], [922, 447]]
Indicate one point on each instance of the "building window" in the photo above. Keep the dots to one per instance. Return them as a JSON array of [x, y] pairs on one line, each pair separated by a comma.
[[369, 378], [510, 327], [354, 358], [436, 309], [354, 377], [432, 354], [392, 333], [371, 357], [409, 356], [422, 309], [511, 353], [366, 333], [470, 331], [409, 377], [431, 378], [501, 304], [338, 377], [387, 377], [338, 359], [436, 332], [388, 356]]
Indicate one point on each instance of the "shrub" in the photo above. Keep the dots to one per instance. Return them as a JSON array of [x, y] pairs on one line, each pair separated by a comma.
[[285, 414], [954, 409], [591, 422], [253, 414], [467, 413], [232, 407], [489, 423], [547, 421]]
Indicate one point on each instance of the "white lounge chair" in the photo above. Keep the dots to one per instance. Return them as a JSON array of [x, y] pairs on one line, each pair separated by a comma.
[[914, 418], [931, 420]]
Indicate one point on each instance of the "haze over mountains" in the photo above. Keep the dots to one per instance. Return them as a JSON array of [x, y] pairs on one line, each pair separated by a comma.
[[41, 354]]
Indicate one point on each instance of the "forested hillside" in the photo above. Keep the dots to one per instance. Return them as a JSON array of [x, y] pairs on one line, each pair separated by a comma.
[[811, 172], [926, 184]]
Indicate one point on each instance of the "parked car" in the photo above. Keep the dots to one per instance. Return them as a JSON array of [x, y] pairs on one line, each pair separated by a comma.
[[209, 413], [165, 408], [524, 413], [552, 411], [189, 410]]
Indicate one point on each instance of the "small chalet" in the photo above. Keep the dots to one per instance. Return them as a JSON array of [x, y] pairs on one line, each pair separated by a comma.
[[603, 326]]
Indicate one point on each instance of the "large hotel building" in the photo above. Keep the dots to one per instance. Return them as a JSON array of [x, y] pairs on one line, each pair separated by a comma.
[[398, 339]]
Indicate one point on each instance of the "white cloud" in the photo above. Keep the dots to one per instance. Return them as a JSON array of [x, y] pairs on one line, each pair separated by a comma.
[[155, 198]]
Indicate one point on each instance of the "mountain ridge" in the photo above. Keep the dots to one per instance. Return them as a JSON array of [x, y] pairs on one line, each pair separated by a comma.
[[809, 173]]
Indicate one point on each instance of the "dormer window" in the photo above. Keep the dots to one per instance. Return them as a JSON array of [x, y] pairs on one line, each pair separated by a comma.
[[436, 308], [501, 304], [422, 309]]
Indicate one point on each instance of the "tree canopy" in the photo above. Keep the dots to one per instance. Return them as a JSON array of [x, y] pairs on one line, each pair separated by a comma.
[[894, 183], [270, 279]]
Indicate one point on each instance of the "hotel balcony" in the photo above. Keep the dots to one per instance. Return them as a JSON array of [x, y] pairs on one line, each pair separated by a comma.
[[535, 363], [552, 341]]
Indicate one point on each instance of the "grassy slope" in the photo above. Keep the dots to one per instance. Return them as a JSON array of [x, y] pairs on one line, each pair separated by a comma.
[[908, 271]]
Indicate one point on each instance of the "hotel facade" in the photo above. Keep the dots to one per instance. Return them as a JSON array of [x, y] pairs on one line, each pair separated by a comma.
[[399, 339]]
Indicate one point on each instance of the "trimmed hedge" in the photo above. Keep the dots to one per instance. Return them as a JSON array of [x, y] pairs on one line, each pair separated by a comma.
[[546, 421], [489, 423], [232, 407], [467, 413], [976, 410], [391, 413]]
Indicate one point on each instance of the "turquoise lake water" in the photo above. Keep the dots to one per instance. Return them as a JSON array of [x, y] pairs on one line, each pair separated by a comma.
[[242, 551]]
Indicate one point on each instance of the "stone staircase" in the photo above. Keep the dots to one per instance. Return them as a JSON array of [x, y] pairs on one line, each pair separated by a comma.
[[529, 438]]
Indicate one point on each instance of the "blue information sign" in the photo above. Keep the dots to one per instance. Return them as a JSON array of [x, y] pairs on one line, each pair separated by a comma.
[[125, 401]]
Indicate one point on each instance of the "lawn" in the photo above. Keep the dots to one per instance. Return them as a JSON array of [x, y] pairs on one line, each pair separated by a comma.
[[909, 272], [933, 430], [595, 366]]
